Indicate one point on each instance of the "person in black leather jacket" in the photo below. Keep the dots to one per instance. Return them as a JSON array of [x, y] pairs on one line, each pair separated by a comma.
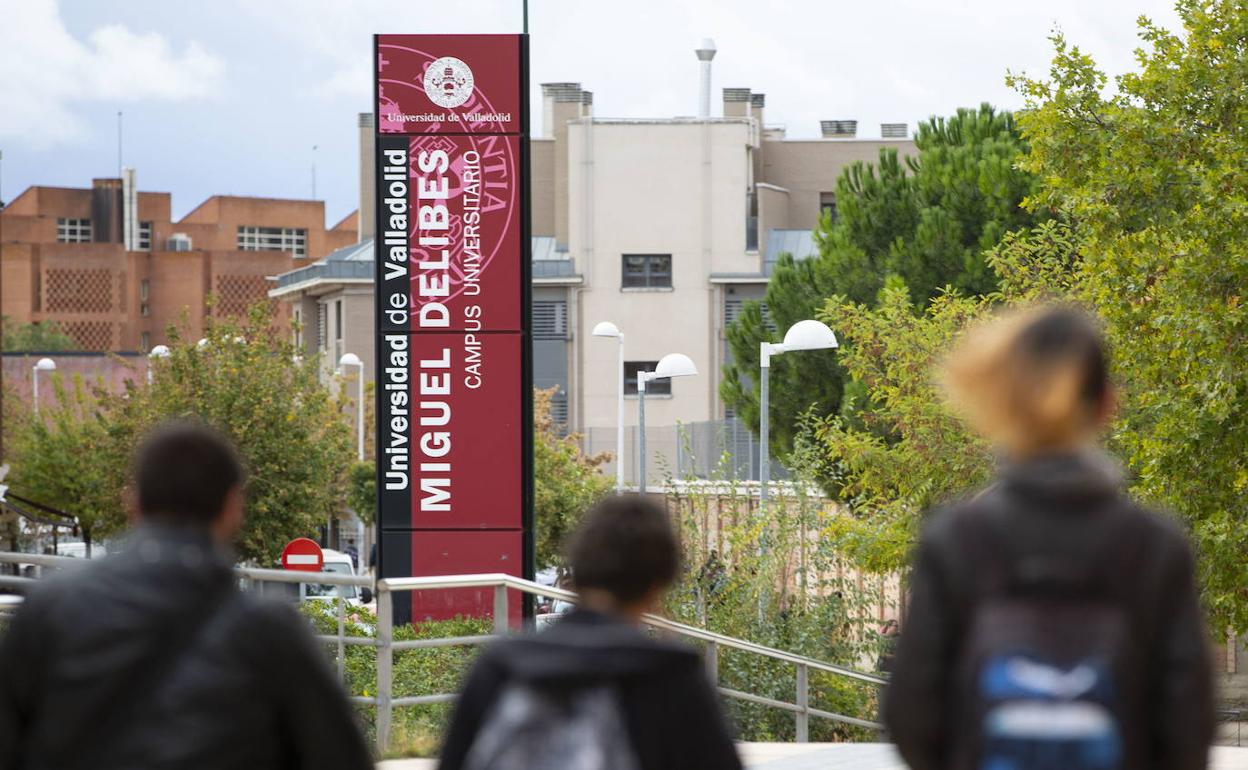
[[1036, 384], [151, 658]]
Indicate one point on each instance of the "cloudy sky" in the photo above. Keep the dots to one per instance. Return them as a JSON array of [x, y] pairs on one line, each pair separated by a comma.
[[231, 96]]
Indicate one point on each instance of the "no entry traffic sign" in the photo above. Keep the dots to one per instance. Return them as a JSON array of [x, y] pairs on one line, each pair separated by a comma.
[[303, 555]]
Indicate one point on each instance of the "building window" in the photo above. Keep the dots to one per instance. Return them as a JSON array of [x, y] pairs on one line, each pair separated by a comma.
[[647, 271], [145, 341], [827, 205], [145, 289], [73, 230], [322, 313], [661, 387], [292, 239], [550, 319], [145, 236]]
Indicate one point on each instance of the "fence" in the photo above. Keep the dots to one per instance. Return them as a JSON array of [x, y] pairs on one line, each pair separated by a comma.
[[715, 449], [386, 700]]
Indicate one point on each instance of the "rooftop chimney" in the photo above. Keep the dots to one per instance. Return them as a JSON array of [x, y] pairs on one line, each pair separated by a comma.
[[736, 102], [554, 118], [757, 102], [894, 130], [838, 129], [705, 53]]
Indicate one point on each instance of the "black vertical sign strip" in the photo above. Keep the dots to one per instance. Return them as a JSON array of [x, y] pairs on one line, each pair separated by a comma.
[[392, 288], [526, 326], [394, 552]]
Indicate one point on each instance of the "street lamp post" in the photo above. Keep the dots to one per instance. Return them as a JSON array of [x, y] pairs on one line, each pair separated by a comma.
[[160, 351], [43, 365], [608, 329], [803, 335], [670, 365], [351, 359]]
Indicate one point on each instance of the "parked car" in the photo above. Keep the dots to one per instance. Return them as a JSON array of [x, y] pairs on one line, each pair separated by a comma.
[[336, 563]]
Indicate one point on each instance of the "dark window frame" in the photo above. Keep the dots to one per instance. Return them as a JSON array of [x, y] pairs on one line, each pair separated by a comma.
[[652, 274], [661, 387]]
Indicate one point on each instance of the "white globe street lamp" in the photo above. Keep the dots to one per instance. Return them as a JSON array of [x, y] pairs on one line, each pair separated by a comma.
[[160, 351], [803, 335], [42, 365], [608, 329], [351, 359], [670, 365]]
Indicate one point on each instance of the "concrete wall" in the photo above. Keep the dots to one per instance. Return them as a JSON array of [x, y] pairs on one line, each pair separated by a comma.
[[674, 188]]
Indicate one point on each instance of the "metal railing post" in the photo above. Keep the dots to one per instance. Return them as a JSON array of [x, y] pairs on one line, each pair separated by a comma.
[[712, 662], [501, 625], [385, 665], [342, 633], [803, 703]]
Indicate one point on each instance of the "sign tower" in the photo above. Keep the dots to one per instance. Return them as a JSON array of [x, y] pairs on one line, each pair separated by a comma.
[[454, 364]]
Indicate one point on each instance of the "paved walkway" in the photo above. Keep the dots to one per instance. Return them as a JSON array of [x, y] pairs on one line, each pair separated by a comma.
[[838, 756]]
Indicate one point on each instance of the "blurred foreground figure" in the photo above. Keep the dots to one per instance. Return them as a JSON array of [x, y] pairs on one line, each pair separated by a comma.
[[593, 692], [1053, 623], [151, 658]]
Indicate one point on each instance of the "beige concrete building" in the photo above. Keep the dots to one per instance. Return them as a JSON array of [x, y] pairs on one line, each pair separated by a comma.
[[664, 227]]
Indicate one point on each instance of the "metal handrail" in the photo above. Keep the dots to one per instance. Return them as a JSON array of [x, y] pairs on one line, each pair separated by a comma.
[[488, 580], [385, 645]]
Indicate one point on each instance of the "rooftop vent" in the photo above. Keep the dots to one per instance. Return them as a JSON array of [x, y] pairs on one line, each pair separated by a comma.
[[736, 94], [894, 130], [838, 129], [758, 100]]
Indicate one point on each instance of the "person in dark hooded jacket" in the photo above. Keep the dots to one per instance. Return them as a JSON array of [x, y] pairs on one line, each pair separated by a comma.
[[1056, 522], [152, 658], [622, 560]]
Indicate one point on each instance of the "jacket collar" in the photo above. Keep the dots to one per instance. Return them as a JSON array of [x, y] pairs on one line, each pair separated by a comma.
[[1084, 476]]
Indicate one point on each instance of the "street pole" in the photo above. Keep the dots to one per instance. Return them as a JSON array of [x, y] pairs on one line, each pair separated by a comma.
[[764, 426], [34, 373], [619, 427], [641, 433], [526, 17], [360, 411]]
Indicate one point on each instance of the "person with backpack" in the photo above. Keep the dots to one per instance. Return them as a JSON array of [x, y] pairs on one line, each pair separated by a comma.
[[594, 692], [152, 658], [1053, 623]]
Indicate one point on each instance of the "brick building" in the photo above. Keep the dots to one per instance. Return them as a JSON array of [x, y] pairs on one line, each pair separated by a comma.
[[113, 269]]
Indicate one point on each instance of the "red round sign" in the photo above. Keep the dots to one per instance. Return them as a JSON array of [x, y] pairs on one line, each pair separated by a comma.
[[303, 555]]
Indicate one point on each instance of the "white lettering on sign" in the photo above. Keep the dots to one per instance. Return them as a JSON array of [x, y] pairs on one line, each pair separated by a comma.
[[433, 222], [433, 380]]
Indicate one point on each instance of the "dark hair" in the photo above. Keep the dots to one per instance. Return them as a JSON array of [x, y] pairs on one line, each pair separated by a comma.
[[184, 471], [1064, 332], [625, 547]]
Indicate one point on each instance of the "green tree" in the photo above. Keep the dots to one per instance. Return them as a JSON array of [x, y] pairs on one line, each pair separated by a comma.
[[1154, 172], [247, 381], [36, 337], [566, 482], [927, 221], [65, 458], [928, 455]]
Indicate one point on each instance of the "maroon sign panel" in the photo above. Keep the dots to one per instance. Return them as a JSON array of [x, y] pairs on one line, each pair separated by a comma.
[[454, 381], [456, 264]]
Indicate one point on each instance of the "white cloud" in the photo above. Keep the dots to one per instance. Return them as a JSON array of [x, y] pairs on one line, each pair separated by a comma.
[[47, 72]]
